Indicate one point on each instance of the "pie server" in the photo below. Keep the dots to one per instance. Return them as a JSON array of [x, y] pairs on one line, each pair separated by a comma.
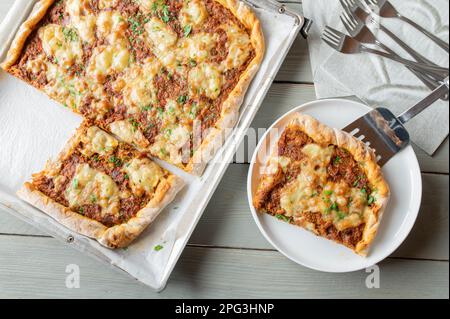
[[385, 132]]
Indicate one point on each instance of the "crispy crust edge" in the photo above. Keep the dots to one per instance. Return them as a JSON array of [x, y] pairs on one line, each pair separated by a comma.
[[323, 134], [119, 236], [230, 107], [38, 13]]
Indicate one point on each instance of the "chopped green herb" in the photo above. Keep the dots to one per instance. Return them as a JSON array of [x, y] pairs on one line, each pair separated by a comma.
[[371, 200], [81, 210], [283, 218], [187, 30], [364, 191], [70, 34], [126, 176], [314, 194], [163, 152], [328, 193], [75, 183], [93, 199], [193, 63], [147, 108], [158, 247], [337, 160], [340, 215], [182, 99], [160, 111]]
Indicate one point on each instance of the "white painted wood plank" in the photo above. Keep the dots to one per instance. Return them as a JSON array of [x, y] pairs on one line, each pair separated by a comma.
[[35, 268], [227, 221]]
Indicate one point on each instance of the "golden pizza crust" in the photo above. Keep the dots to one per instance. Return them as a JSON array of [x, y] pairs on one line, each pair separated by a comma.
[[118, 236], [325, 135]]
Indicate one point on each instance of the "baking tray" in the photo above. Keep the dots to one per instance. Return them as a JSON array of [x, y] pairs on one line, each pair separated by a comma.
[[34, 128]]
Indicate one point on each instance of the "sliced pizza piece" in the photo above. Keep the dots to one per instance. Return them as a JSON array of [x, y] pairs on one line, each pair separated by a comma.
[[325, 181], [102, 188], [167, 76]]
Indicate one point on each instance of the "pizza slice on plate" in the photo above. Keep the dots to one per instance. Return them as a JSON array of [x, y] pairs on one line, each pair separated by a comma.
[[102, 188], [326, 181], [167, 76]]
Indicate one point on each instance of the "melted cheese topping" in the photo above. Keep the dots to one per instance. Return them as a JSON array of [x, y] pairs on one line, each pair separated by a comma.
[[112, 26], [63, 46], [197, 47], [128, 133], [205, 79], [97, 141], [90, 186], [144, 175], [193, 13], [105, 4], [343, 205]]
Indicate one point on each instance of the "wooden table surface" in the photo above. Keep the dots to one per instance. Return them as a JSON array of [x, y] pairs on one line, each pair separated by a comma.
[[227, 256]]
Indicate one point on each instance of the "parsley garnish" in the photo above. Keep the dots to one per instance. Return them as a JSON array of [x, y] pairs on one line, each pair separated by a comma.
[[328, 193], [116, 161], [334, 206], [371, 200], [75, 183], [283, 218], [147, 108], [158, 247], [340, 215], [187, 30], [337, 160], [135, 26]]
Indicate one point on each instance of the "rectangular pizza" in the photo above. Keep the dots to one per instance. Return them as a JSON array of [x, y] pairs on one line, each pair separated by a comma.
[[102, 188], [167, 76], [326, 181]]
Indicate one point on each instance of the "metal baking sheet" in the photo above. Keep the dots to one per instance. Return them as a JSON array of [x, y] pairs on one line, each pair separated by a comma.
[[34, 128]]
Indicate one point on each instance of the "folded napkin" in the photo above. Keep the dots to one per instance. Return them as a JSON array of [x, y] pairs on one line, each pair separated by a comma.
[[378, 81]]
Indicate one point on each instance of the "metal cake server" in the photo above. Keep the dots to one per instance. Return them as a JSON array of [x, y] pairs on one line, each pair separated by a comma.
[[385, 132]]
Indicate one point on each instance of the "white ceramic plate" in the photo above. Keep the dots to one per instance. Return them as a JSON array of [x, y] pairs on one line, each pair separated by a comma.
[[402, 173]]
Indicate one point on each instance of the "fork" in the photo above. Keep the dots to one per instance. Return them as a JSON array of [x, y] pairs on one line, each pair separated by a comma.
[[345, 44], [359, 31], [384, 132], [387, 10], [362, 12]]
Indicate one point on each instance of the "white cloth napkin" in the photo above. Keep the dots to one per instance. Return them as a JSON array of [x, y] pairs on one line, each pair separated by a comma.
[[378, 81]]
